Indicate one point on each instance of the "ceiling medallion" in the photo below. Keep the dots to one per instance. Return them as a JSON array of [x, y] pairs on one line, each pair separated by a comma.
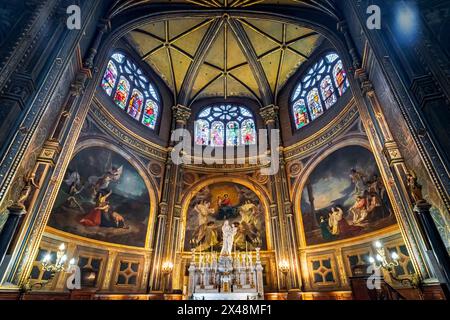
[[225, 3]]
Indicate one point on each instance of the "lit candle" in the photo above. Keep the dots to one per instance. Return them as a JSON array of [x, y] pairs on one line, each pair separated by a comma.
[[62, 247]]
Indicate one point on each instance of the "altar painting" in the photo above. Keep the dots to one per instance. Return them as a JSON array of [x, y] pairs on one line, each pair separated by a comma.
[[217, 203]]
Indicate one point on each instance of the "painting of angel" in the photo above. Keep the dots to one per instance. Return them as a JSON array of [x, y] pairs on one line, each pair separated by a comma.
[[104, 198]]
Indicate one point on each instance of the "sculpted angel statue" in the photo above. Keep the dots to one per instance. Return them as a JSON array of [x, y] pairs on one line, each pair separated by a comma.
[[228, 238]]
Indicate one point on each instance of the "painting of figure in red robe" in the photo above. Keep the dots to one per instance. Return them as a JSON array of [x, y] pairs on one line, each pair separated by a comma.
[[102, 197], [345, 197]]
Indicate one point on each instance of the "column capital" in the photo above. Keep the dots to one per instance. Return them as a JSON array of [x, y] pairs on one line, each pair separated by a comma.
[[422, 207], [392, 152], [365, 83], [269, 113], [342, 26], [50, 152], [181, 113]]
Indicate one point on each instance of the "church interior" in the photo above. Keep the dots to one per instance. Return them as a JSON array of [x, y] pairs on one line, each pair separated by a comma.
[[224, 149]]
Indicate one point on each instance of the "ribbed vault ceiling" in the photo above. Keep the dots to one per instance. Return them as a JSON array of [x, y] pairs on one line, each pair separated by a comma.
[[224, 56]]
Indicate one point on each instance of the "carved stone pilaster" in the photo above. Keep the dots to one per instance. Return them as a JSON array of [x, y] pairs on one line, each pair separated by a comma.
[[181, 114]]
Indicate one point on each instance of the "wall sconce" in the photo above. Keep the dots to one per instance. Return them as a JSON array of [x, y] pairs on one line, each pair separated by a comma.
[[284, 266], [60, 265], [384, 261], [167, 267]]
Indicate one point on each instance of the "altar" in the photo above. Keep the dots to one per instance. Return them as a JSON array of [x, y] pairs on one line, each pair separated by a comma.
[[237, 276]]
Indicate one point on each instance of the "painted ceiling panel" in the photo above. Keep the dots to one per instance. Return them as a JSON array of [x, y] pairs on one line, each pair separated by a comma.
[[270, 64], [273, 52], [245, 74], [158, 29], [235, 56], [181, 65], [216, 53], [290, 64], [191, 41], [270, 28], [181, 26], [143, 42], [307, 45], [205, 75], [215, 89], [294, 32], [260, 43]]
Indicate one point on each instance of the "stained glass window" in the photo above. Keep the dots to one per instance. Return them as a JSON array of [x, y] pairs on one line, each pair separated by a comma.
[[150, 114], [202, 132], [135, 105], [314, 104], [133, 92], [340, 77], [248, 132], [300, 114], [327, 89], [226, 124], [217, 134], [317, 90], [232, 133], [110, 78], [122, 92]]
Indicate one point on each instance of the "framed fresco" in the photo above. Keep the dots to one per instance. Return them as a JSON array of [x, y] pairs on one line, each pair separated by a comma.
[[225, 201], [104, 198], [344, 197]]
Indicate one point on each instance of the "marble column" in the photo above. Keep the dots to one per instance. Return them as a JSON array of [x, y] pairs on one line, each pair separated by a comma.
[[283, 232], [434, 241], [15, 214], [169, 219]]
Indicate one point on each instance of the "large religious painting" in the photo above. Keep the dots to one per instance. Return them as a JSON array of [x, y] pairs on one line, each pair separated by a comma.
[[218, 203], [345, 197], [102, 197]]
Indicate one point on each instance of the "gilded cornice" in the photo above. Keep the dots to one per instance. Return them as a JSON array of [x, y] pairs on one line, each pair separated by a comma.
[[223, 168], [338, 125], [117, 130]]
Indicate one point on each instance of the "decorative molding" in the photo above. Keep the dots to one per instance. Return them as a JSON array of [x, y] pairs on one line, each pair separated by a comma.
[[324, 136], [113, 127]]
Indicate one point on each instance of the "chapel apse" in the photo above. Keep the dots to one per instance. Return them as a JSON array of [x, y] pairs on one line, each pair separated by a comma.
[[218, 202], [103, 197], [344, 197]]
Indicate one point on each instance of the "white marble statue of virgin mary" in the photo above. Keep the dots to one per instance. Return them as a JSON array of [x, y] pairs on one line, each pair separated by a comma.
[[228, 238]]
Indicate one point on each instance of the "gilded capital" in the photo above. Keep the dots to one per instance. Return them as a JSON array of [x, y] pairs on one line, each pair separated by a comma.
[[50, 152], [392, 152], [269, 113], [366, 84], [181, 113]]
